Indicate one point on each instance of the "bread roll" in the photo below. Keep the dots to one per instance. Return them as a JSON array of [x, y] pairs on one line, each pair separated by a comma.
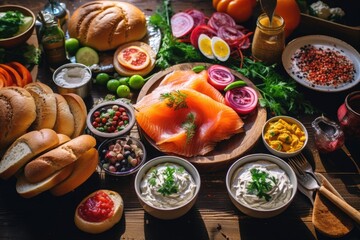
[[84, 167], [63, 138], [25, 148], [105, 25], [56, 159], [17, 113], [79, 111], [123, 71], [100, 226], [65, 122], [28, 190], [45, 105]]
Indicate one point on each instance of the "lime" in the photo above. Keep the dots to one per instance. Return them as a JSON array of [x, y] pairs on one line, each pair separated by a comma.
[[72, 45], [112, 85], [136, 81], [87, 56], [102, 78], [124, 81], [123, 91]]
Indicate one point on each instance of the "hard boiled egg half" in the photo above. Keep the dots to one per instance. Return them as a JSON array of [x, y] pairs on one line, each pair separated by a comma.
[[214, 47]]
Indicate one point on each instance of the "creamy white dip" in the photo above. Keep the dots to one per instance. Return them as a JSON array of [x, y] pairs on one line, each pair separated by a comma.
[[279, 194], [72, 77], [155, 178]]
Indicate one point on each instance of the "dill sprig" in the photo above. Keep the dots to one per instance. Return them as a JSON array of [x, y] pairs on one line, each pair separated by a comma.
[[189, 126], [175, 99]]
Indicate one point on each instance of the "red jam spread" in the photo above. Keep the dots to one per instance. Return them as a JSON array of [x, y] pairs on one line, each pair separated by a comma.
[[96, 208]]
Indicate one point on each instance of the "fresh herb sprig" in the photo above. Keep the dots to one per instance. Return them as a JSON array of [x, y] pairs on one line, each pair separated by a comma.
[[171, 51], [189, 126], [260, 184], [279, 94], [175, 99], [169, 185]]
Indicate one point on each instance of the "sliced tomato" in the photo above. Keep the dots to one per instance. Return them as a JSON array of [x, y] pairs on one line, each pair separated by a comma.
[[23, 72], [198, 30], [16, 78], [243, 100], [134, 58], [8, 81], [181, 24], [219, 76]]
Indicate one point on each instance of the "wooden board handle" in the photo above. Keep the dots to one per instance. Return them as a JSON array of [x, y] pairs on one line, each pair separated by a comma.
[[349, 210]]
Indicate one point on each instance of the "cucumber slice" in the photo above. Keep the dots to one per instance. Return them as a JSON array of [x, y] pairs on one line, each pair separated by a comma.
[[87, 56]]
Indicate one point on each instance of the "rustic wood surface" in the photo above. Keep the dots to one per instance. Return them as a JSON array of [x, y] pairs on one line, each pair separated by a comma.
[[213, 216]]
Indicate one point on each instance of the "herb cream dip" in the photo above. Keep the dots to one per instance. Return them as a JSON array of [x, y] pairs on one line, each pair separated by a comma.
[[280, 192], [167, 185], [72, 77]]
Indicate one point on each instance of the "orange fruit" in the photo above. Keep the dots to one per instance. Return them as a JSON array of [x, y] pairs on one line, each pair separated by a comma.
[[134, 58], [290, 12]]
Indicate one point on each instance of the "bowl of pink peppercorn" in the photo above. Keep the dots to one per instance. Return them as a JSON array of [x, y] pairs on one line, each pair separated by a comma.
[[121, 156], [110, 119]]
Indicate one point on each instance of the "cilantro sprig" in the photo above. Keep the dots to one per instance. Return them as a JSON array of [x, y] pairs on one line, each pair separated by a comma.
[[261, 184], [169, 185]]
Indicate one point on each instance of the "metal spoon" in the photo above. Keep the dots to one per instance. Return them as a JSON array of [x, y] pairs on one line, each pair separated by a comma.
[[268, 6]]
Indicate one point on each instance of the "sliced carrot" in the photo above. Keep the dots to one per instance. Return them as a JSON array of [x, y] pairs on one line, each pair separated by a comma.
[[16, 78], [2, 82], [22, 70], [6, 76]]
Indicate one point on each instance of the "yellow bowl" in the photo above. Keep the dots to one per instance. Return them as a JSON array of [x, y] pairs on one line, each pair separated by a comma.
[[20, 38]]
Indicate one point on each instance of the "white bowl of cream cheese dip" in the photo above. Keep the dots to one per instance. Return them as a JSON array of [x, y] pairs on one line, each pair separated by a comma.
[[73, 78], [167, 186], [261, 185]]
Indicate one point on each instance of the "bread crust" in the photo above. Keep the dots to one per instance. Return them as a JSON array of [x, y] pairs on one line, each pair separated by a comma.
[[45, 105], [56, 159], [98, 227], [105, 25], [84, 167], [65, 122], [78, 109], [17, 113], [28, 190], [123, 71], [35, 141]]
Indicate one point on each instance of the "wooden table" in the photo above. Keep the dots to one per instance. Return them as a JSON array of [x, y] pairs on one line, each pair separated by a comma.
[[212, 217]]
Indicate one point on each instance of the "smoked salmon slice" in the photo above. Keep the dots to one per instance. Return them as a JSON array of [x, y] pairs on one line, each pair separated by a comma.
[[184, 121]]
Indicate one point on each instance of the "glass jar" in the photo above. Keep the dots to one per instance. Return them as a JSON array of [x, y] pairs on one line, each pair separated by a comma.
[[58, 9], [53, 42], [269, 39]]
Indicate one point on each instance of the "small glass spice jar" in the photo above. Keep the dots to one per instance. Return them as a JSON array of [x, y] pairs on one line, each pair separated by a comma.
[[269, 39], [328, 135]]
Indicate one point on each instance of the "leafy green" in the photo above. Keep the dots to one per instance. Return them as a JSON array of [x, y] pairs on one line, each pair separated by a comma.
[[175, 99], [261, 184], [10, 23], [171, 51], [189, 126], [169, 186], [25, 54], [279, 94]]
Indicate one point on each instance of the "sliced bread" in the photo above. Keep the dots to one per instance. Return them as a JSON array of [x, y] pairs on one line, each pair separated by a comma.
[[65, 122]]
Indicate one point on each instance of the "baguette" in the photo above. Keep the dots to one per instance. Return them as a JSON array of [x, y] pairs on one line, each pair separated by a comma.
[[84, 167], [45, 105], [28, 190], [94, 227], [79, 111], [63, 138], [17, 113], [25, 148], [65, 122], [56, 159]]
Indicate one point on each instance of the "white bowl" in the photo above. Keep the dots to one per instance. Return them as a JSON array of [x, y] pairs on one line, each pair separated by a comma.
[[170, 212], [289, 120], [254, 211]]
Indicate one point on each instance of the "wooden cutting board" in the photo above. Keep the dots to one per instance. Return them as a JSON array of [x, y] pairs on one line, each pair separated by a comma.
[[227, 151]]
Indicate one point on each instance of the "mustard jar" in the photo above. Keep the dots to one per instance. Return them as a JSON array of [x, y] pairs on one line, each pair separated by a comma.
[[269, 39]]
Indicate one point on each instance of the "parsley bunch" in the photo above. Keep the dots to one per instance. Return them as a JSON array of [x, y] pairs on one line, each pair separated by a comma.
[[169, 186], [260, 184]]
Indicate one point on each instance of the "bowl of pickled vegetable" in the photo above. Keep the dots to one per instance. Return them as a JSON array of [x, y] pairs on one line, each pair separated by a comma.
[[110, 119], [121, 156], [17, 25]]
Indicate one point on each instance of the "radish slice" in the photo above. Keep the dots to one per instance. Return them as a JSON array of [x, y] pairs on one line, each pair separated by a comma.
[[197, 31], [220, 77], [181, 24], [243, 100], [219, 19], [198, 16]]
